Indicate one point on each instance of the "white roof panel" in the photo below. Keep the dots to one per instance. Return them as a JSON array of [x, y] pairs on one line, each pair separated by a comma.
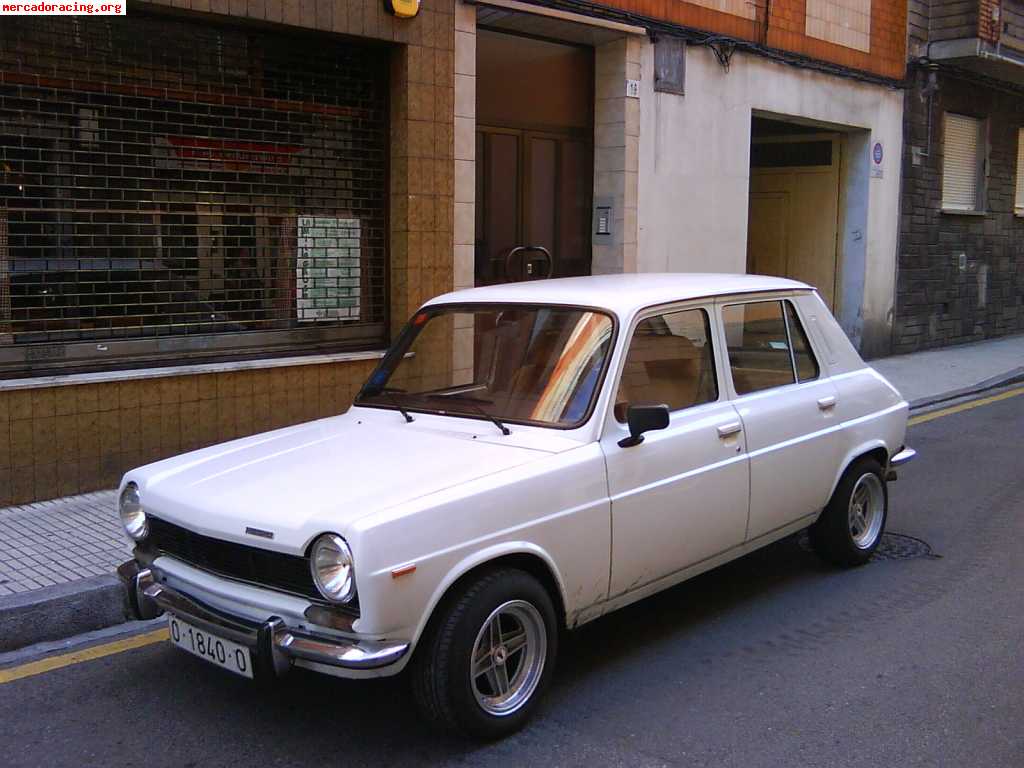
[[622, 294]]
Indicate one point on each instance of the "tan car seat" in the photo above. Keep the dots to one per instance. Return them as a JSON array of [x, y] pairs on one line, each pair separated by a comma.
[[662, 368]]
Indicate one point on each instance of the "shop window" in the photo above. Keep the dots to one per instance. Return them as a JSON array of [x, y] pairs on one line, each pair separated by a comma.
[[963, 163], [220, 194]]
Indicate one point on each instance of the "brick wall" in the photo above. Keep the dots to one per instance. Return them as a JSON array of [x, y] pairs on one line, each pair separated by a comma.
[[989, 23], [887, 53], [787, 29], [937, 303]]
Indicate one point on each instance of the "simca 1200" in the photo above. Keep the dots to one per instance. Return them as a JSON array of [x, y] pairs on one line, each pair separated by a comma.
[[525, 459]]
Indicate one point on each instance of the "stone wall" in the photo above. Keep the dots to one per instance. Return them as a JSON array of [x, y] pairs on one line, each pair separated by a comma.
[[939, 301]]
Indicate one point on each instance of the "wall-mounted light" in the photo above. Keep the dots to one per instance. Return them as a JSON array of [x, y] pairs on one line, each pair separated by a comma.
[[403, 9]]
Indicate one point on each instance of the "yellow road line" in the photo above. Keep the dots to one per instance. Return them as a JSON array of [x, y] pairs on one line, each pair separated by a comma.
[[77, 657], [924, 417]]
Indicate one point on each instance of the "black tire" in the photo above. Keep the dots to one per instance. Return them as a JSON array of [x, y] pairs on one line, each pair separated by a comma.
[[831, 536], [440, 670]]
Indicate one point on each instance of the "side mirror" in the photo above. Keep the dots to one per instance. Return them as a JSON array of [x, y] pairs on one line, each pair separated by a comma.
[[643, 418]]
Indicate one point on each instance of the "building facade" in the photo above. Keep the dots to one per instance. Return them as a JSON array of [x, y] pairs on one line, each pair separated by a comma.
[[212, 218], [961, 255], [719, 136]]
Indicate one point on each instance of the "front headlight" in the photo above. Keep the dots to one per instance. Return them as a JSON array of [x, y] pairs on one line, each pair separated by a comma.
[[133, 516], [331, 564]]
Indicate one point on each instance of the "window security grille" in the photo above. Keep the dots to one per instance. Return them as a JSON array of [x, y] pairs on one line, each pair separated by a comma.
[[172, 191], [962, 163]]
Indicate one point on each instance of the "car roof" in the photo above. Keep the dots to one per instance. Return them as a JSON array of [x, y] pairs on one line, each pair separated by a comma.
[[623, 293]]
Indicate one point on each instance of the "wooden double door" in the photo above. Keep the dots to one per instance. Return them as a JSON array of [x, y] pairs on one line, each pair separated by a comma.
[[533, 209]]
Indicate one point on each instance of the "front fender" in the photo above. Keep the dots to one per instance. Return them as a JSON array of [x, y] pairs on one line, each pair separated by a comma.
[[478, 559]]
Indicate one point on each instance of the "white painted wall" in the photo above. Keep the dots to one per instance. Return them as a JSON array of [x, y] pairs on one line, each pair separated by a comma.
[[694, 169]]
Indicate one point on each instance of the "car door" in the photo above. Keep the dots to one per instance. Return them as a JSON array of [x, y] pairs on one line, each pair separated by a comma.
[[681, 495], [788, 408]]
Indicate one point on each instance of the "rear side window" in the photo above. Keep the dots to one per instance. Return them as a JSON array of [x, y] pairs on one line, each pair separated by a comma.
[[806, 364], [767, 346], [669, 361]]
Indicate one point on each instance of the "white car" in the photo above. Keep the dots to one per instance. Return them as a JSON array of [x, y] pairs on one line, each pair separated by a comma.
[[583, 443]]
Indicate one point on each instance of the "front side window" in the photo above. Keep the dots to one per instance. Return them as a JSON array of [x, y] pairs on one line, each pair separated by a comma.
[[527, 364], [767, 346], [670, 361]]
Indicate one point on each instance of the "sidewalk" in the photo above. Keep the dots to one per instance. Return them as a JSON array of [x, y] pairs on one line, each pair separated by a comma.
[[943, 374], [57, 558]]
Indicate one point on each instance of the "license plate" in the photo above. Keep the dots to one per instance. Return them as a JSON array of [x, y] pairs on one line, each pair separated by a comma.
[[216, 650]]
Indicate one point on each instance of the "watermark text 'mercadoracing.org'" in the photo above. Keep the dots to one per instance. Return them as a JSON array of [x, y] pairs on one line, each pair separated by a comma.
[[42, 8]]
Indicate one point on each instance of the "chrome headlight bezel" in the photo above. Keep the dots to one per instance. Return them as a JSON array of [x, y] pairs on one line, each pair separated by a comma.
[[132, 513], [333, 568]]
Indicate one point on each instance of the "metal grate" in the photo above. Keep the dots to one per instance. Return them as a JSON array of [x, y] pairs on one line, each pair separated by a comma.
[[184, 189], [287, 573]]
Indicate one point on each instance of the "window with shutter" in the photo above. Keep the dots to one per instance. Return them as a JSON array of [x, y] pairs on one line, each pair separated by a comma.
[[962, 163], [1018, 203]]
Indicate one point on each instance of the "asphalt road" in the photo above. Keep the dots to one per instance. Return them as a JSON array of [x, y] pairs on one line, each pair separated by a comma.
[[775, 660]]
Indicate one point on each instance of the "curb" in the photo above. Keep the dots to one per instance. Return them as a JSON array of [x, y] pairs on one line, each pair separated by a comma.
[[61, 611], [1010, 377]]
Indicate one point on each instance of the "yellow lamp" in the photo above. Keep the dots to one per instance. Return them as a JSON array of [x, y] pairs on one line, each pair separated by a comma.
[[403, 9]]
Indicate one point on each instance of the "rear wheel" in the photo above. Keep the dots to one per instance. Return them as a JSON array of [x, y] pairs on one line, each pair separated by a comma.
[[484, 663], [850, 528]]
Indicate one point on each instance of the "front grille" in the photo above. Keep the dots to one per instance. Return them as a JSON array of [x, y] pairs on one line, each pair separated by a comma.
[[287, 573]]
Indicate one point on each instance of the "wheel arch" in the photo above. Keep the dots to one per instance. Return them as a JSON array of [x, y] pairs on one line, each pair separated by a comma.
[[875, 449], [521, 555]]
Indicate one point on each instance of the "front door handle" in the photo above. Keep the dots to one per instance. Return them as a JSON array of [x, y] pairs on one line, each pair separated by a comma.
[[732, 428], [825, 403]]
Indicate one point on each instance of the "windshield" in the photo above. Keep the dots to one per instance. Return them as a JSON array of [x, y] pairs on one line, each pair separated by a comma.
[[538, 365]]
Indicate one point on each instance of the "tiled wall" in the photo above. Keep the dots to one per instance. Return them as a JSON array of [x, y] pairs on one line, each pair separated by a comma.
[[843, 22], [70, 439], [744, 8], [465, 176], [786, 27], [57, 441], [617, 151]]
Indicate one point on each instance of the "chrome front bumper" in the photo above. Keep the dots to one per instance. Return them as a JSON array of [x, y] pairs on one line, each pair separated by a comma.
[[274, 644]]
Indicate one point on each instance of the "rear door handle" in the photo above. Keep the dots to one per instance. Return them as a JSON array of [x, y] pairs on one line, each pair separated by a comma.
[[824, 403], [732, 428]]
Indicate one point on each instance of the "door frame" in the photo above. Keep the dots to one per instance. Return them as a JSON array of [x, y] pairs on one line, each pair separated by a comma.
[[835, 168]]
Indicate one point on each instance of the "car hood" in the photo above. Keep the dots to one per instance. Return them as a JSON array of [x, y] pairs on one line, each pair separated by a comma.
[[321, 476]]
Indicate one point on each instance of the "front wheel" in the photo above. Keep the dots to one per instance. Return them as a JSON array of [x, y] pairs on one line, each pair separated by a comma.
[[485, 661], [850, 528]]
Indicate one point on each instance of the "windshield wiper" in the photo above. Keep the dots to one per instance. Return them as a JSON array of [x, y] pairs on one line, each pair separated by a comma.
[[474, 403], [389, 395]]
